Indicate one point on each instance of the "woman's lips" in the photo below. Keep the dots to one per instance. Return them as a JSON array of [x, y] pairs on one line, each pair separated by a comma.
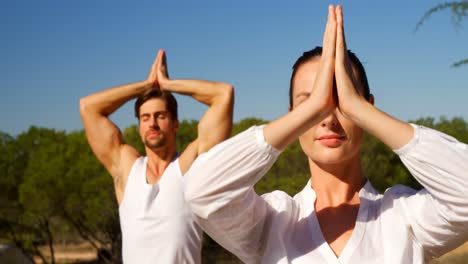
[[331, 140]]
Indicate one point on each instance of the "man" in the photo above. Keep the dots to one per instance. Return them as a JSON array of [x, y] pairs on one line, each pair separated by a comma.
[[157, 225], [338, 217]]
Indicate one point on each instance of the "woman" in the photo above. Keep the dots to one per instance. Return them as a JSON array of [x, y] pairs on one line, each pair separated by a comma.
[[338, 217]]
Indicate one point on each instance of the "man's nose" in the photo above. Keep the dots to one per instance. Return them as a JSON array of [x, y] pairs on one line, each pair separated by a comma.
[[153, 123]]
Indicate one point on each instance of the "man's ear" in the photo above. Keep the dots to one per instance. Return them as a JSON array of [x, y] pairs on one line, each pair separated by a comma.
[[289, 108], [176, 125], [371, 99]]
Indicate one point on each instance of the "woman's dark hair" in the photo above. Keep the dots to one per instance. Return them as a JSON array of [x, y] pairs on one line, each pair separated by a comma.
[[317, 52]]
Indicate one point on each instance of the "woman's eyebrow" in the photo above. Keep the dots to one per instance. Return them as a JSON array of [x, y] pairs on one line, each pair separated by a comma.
[[303, 94]]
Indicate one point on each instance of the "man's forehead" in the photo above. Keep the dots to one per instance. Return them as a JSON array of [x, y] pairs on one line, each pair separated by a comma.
[[154, 103], [153, 106]]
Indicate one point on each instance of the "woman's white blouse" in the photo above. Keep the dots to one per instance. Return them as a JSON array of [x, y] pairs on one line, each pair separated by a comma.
[[400, 226]]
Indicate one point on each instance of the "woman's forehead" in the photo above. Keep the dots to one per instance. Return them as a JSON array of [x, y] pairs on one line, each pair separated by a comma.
[[307, 73], [305, 77]]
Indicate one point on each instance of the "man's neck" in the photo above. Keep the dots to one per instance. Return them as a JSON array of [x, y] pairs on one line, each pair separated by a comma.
[[157, 162]]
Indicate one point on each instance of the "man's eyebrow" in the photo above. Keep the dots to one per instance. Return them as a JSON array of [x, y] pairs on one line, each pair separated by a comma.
[[154, 113]]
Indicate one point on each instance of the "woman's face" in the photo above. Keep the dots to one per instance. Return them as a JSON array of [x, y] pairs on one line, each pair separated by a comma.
[[332, 140]]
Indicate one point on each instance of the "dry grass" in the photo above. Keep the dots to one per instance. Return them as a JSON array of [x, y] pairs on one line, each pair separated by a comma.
[[457, 256], [83, 252], [70, 253]]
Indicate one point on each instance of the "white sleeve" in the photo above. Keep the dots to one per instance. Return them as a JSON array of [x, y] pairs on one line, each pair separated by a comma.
[[438, 214], [219, 189]]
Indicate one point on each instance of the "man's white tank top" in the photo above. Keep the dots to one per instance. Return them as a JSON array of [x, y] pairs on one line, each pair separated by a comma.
[[157, 224]]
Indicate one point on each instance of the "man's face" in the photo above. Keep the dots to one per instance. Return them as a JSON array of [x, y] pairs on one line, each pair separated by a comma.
[[156, 127], [334, 139]]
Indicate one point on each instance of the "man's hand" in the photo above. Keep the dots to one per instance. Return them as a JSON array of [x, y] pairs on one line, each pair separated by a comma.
[[152, 79], [161, 70]]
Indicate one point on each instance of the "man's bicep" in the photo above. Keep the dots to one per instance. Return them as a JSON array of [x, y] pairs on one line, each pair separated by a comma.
[[105, 139], [188, 156], [214, 127]]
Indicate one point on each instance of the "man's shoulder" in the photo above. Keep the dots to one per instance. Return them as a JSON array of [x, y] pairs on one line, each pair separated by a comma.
[[128, 160]]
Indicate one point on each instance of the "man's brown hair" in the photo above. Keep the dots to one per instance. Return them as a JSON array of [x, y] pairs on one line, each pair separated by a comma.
[[171, 102]]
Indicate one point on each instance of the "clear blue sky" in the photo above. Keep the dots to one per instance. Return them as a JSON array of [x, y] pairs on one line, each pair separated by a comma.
[[55, 52]]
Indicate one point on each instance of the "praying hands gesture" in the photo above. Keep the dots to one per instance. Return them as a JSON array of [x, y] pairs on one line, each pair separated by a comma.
[[345, 99], [215, 125]]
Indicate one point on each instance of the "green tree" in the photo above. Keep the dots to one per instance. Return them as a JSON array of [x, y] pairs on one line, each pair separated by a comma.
[[385, 169], [187, 132], [245, 123], [8, 183], [132, 138], [42, 191], [90, 205], [11, 212], [23, 228], [289, 173], [54, 188]]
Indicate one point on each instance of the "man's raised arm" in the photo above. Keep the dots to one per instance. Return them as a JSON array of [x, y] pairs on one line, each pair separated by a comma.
[[103, 136], [215, 126]]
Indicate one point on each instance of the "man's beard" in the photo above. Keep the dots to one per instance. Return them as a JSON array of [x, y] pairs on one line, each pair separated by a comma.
[[156, 142]]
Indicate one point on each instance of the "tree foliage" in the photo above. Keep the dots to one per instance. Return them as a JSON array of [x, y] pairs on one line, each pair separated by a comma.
[[459, 10]]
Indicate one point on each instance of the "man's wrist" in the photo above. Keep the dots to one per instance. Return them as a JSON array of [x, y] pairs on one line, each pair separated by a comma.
[[166, 85], [147, 84]]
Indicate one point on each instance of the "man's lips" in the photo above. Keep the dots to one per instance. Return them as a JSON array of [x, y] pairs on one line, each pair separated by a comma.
[[152, 133]]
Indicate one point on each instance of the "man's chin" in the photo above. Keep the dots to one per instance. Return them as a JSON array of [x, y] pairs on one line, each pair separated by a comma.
[[154, 145]]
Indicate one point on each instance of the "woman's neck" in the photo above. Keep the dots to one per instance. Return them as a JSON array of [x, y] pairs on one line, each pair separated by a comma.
[[336, 184]]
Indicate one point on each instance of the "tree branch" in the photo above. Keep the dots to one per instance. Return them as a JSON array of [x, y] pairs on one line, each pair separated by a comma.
[[459, 63], [459, 10]]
